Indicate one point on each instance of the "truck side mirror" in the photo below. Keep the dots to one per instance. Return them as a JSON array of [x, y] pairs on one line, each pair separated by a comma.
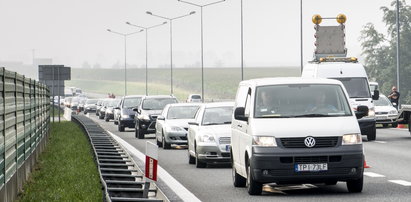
[[361, 111], [376, 95], [239, 114]]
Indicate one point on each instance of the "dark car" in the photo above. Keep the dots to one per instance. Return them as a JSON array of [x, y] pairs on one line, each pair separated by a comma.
[[147, 112], [110, 109], [125, 117]]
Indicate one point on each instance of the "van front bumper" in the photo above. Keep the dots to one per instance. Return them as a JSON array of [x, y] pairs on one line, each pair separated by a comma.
[[278, 164]]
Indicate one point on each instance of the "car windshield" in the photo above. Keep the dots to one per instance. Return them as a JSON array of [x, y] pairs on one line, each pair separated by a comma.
[[195, 97], [131, 102], [217, 115], [356, 87], [157, 103], [300, 100], [382, 101], [182, 112], [91, 101], [113, 103]]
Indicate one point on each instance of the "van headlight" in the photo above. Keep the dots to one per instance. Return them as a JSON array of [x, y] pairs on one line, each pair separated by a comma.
[[207, 138], [351, 139], [371, 112], [265, 141]]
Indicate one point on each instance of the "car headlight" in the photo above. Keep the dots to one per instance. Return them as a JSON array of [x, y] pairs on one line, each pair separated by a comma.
[[265, 141], [144, 117], [174, 129], [207, 138], [393, 112], [350, 139], [125, 116], [371, 112]]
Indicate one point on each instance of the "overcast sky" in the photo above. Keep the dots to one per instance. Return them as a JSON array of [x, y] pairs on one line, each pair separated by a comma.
[[72, 32]]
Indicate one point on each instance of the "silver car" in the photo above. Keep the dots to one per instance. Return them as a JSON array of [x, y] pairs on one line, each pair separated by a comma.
[[209, 136], [172, 124]]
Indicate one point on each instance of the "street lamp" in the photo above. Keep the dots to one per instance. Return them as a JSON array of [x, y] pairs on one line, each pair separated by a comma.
[[125, 54], [171, 40], [146, 29], [202, 43]]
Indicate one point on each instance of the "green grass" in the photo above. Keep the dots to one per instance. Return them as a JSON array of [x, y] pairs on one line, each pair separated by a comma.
[[56, 112], [219, 83], [66, 170]]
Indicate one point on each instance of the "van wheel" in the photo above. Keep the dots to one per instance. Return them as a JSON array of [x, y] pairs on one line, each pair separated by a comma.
[[355, 186], [253, 187], [372, 133], [394, 125], [166, 145], [238, 180]]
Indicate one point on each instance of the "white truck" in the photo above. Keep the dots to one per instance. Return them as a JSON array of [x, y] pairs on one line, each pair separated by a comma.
[[330, 61]]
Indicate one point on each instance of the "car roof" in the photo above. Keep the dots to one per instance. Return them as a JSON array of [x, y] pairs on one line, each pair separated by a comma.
[[158, 96], [218, 104], [133, 96], [289, 80], [185, 104]]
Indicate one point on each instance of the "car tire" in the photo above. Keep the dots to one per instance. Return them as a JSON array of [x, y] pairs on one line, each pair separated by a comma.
[[199, 163], [331, 182], [101, 117], [139, 132], [106, 119], [166, 145], [394, 125], [384, 125], [238, 180], [84, 112], [115, 122], [372, 134], [355, 186], [253, 187], [120, 127], [159, 143], [191, 159]]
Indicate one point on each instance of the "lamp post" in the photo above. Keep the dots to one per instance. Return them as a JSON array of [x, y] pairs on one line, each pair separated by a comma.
[[125, 35], [301, 35], [202, 42], [242, 43], [146, 29], [171, 40]]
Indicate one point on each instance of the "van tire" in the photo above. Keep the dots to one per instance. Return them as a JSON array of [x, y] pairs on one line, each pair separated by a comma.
[[238, 180], [355, 186], [253, 187], [372, 134]]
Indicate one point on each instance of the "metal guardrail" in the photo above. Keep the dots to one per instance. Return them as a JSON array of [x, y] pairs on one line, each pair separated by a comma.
[[24, 122], [119, 175]]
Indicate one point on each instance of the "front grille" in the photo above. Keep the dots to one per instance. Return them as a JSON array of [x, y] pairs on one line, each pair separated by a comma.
[[311, 159], [225, 154], [225, 140], [380, 113], [132, 116], [299, 142]]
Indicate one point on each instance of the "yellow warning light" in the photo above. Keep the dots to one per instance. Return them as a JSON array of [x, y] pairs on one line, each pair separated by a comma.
[[322, 59], [341, 18], [317, 19], [354, 59]]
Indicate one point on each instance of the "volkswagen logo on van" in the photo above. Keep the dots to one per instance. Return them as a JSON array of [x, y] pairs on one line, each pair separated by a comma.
[[309, 142]]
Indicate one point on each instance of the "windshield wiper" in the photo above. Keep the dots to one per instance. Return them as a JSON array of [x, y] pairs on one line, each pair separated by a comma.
[[313, 115]]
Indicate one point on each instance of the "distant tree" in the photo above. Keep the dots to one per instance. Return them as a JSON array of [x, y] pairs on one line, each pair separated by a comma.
[[86, 65], [380, 51]]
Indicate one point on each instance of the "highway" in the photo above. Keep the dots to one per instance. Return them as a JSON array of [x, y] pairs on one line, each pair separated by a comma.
[[388, 179]]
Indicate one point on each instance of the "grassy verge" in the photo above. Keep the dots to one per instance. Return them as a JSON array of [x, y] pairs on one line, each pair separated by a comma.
[[66, 170], [56, 112]]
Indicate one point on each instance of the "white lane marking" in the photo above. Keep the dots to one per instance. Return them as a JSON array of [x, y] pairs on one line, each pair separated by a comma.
[[381, 142], [401, 182], [371, 174], [171, 182]]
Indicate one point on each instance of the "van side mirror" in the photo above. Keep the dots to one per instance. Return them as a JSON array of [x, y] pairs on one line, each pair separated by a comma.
[[361, 111], [162, 118], [193, 123], [239, 114], [376, 95]]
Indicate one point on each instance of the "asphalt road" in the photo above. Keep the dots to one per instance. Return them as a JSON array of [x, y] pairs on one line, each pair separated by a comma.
[[388, 179]]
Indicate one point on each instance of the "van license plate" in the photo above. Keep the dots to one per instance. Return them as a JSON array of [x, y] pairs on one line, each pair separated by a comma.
[[312, 167]]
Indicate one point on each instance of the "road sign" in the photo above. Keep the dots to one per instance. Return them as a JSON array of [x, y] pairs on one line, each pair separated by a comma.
[[151, 161]]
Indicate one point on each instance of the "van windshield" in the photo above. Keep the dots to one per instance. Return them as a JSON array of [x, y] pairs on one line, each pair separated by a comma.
[[300, 100], [356, 87]]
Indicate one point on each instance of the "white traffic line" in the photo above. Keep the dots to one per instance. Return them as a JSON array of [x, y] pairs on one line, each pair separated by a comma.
[[171, 182], [381, 142], [371, 174], [401, 182]]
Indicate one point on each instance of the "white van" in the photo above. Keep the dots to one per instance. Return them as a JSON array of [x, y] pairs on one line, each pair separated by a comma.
[[293, 131], [352, 74]]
